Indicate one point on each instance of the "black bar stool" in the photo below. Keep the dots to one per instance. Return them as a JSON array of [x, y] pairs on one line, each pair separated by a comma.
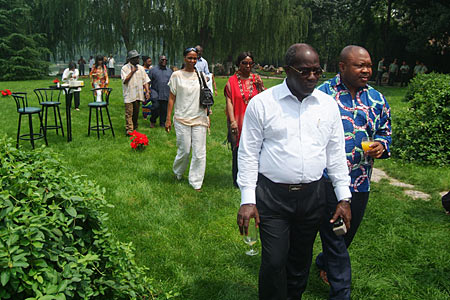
[[49, 97], [24, 109], [105, 92]]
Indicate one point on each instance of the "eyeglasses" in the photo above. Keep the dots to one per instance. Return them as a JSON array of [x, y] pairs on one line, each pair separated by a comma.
[[305, 72], [246, 63], [190, 49], [163, 59]]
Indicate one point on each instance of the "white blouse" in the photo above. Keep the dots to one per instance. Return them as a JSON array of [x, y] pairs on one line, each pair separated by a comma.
[[186, 87]]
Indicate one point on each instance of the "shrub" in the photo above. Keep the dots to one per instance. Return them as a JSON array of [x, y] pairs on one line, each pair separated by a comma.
[[53, 240], [421, 133]]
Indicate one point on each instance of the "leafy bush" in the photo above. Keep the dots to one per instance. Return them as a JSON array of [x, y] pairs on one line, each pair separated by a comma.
[[53, 240], [421, 133]]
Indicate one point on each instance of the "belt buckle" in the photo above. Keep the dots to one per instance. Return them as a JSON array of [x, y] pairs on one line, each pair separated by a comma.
[[295, 187]]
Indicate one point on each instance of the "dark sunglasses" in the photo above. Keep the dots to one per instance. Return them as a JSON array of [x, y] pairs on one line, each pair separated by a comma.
[[163, 59], [304, 72]]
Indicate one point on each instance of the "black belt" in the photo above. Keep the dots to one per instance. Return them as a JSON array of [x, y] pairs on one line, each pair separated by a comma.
[[294, 187], [290, 187]]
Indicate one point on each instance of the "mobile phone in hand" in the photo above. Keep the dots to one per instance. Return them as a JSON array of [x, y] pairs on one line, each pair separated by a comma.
[[339, 227]]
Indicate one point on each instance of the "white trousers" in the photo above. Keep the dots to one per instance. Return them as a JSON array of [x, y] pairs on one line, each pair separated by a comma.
[[187, 137]]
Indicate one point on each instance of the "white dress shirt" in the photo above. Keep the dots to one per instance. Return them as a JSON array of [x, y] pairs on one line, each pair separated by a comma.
[[67, 75], [292, 142]]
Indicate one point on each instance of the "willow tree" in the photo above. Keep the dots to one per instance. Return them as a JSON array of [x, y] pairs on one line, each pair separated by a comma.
[[224, 28], [64, 24]]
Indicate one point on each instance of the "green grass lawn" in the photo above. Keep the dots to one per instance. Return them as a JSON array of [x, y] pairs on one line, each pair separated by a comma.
[[190, 240]]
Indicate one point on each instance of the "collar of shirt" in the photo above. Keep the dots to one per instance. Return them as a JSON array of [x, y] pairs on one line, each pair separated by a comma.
[[285, 92], [338, 84]]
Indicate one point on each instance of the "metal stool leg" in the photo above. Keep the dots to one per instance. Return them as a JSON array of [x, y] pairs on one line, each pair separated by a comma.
[[30, 121], [46, 117], [89, 128], [56, 120], [18, 131], [103, 124], [45, 130], [60, 122], [110, 123], [98, 130]]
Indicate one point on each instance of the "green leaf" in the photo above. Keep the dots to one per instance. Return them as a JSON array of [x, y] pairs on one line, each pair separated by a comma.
[[4, 278], [71, 211]]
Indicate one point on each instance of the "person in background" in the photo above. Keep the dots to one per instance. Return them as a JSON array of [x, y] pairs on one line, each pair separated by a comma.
[[111, 63], [202, 66], [404, 74], [134, 82], [147, 104], [71, 73], [364, 113], [423, 68], [239, 90], [91, 63], [291, 133], [159, 76], [81, 63], [190, 121], [417, 68], [393, 72], [380, 70], [99, 76]]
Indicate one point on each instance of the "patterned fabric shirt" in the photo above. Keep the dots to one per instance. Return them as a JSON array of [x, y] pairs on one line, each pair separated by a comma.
[[368, 115]]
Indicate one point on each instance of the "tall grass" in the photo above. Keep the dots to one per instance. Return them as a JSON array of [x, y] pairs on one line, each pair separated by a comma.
[[190, 240]]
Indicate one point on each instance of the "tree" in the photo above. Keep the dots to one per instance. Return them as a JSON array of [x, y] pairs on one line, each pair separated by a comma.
[[21, 53]]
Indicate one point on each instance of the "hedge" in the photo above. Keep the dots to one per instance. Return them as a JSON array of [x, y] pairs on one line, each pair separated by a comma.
[[421, 133], [54, 243]]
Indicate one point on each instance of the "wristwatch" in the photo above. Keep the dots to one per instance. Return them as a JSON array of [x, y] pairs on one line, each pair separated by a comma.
[[348, 200]]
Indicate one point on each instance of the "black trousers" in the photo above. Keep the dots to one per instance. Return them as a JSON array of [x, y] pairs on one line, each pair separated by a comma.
[[161, 112], [234, 166], [335, 259], [290, 220], [76, 97]]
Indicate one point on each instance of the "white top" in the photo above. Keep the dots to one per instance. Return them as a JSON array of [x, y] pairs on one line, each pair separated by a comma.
[[67, 74], [91, 63], [185, 86], [111, 62], [134, 89], [292, 142]]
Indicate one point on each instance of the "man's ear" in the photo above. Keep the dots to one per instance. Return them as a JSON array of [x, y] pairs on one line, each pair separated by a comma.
[[341, 66]]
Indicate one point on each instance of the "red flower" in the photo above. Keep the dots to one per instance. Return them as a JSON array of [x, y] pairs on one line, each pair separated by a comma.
[[4, 93], [56, 80], [138, 140], [8, 92]]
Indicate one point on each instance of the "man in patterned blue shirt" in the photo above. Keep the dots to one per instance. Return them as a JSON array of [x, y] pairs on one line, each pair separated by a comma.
[[365, 113]]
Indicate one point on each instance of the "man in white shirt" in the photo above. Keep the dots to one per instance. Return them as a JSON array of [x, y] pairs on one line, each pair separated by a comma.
[[291, 133], [134, 82], [111, 63]]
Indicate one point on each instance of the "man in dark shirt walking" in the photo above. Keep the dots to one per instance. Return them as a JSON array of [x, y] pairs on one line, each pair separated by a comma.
[[159, 76]]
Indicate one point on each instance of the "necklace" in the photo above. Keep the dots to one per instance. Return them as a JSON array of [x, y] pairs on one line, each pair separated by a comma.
[[242, 89]]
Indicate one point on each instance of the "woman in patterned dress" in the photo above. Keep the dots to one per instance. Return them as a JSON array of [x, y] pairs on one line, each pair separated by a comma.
[[99, 75]]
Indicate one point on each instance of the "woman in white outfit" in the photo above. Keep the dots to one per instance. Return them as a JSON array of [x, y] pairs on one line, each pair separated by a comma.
[[71, 73], [190, 121]]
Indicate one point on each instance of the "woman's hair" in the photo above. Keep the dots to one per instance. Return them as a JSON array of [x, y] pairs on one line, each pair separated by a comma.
[[72, 65], [144, 59], [97, 59], [242, 56], [190, 49]]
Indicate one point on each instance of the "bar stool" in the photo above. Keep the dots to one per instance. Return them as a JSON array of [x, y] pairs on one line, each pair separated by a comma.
[[105, 92], [24, 109], [50, 97]]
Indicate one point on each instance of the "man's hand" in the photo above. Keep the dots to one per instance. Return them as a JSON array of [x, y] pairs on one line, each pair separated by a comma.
[[245, 213], [376, 150], [147, 95], [168, 125], [133, 68], [343, 210]]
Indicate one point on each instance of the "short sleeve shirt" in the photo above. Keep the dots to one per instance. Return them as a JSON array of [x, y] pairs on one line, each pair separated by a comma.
[[133, 90]]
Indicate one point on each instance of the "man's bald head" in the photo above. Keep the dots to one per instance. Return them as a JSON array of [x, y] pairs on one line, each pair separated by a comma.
[[299, 52], [351, 51]]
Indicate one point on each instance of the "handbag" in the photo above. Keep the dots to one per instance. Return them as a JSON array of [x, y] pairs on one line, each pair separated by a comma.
[[206, 96]]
